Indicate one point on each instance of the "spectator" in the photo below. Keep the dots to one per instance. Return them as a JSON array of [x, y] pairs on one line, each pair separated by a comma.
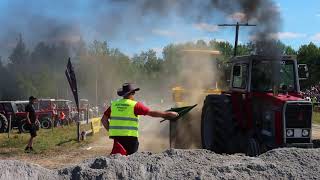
[[32, 122], [61, 119], [313, 93]]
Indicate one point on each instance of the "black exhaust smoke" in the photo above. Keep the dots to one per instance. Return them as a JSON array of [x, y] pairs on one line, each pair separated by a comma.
[[121, 18]]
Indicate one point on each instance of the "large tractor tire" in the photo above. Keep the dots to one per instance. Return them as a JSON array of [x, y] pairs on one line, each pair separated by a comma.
[[218, 129], [45, 123], [3, 123]]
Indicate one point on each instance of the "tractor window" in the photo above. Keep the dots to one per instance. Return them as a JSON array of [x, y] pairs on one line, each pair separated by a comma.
[[240, 74], [62, 104], [266, 74], [20, 107], [45, 105], [7, 107]]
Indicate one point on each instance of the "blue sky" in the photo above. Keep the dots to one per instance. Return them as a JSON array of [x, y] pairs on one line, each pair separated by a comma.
[[300, 25]]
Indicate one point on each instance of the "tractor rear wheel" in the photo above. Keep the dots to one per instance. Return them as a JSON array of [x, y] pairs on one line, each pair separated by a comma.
[[3, 123], [217, 126]]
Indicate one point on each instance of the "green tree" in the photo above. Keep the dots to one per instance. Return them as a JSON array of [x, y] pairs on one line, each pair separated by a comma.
[[20, 54], [225, 48], [310, 55]]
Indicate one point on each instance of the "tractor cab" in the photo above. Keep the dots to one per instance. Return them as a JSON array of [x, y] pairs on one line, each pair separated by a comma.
[[266, 100], [262, 74], [262, 110]]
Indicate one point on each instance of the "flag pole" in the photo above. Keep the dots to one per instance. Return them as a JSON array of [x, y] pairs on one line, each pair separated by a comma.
[[78, 127], [71, 77]]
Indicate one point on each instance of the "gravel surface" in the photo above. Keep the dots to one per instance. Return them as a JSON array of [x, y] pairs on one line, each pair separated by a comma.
[[17, 170], [285, 163]]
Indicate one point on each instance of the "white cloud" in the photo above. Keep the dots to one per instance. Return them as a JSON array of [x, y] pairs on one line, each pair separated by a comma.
[[238, 17], [158, 49], [287, 35], [318, 14], [316, 37], [162, 32], [206, 27], [138, 39]]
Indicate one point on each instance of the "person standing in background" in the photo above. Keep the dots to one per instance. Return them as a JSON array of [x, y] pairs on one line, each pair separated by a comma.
[[31, 122]]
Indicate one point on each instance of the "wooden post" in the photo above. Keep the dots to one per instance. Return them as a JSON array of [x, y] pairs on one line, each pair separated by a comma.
[[9, 128], [78, 127], [237, 25], [52, 122], [87, 114]]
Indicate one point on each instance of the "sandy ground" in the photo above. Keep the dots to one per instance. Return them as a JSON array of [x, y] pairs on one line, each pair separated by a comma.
[[316, 131], [100, 147]]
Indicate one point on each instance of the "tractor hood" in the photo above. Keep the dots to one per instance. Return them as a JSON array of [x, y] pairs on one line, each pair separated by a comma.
[[282, 98]]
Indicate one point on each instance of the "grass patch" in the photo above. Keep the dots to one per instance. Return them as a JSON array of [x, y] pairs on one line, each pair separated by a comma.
[[48, 140], [316, 117]]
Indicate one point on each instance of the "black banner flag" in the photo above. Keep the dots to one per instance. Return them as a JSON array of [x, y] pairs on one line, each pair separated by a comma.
[[71, 76]]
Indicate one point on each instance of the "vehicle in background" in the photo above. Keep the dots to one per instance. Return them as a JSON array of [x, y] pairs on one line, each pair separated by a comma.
[[46, 111], [21, 105], [44, 115], [64, 106], [9, 109]]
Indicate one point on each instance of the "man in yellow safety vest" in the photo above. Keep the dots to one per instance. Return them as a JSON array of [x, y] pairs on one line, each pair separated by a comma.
[[121, 119]]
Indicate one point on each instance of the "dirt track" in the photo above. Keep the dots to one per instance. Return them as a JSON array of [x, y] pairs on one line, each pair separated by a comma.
[[102, 146], [316, 131]]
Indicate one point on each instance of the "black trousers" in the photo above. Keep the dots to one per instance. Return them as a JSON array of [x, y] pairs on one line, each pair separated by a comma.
[[131, 144], [32, 129]]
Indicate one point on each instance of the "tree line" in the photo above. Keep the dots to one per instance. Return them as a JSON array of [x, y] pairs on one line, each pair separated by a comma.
[[100, 69]]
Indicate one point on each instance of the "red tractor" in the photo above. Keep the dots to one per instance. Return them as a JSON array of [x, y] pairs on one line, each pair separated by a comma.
[[45, 116], [46, 111], [262, 110]]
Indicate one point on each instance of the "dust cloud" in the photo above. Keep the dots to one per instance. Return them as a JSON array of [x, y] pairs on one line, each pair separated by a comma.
[[139, 17], [197, 73]]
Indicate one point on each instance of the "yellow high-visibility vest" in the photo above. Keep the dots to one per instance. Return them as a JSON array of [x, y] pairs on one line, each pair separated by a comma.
[[123, 121]]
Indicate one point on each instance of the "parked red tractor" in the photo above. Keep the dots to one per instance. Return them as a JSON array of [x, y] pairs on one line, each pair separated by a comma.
[[262, 110], [46, 111], [45, 116]]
